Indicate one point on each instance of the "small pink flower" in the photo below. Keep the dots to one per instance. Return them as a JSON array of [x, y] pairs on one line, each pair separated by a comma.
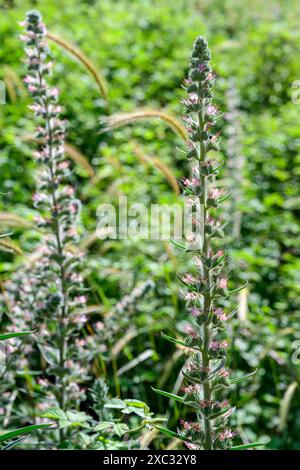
[[64, 165], [195, 312], [215, 193], [190, 296], [188, 120], [69, 190], [189, 279], [37, 198], [226, 434], [222, 283], [99, 325], [43, 382], [189, 389], [212, 110], [54, 92], [211, 76], [188, 183], [29, 79], [188, 82], [219, 312], [32, 89], [191, 367], [81, 319], [224, 373], [190, 332], [73, 208], [185, 424], [24, 37], [205, 403], [191, 446], [81, 299], [214, 345], [191, 145], [193, 97], [223, 404]]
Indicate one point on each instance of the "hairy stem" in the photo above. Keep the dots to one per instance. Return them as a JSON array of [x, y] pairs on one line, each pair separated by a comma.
[[63, 310], [207, 301]]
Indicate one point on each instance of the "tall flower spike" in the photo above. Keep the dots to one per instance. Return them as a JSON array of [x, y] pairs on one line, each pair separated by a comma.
[[55, 287], [204, 374]]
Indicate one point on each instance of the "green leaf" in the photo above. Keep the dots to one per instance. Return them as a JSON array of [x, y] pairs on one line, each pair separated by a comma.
[[169, 395], [104, 426], [235, 291], [224, 198], [54, 413], [219, 166], [25, 430], [176, 341], [76, 418], [136, 404], [191, 379], [13, 443], [115, 403], [178, 245], [222, 412], [120, 429], [232, 313], [241, 379], [141, 412], [172, 434], [169, 433], [116, 428], [220, 260], [216, 369], [248, 446], [15, 335]]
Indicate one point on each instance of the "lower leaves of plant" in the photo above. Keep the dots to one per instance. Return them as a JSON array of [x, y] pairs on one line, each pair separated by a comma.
[[109, 429]]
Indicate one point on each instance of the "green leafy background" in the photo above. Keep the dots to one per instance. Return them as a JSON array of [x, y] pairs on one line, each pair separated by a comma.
[[142, 47]]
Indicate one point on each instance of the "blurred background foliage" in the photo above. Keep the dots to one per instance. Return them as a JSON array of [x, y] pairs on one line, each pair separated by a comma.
[[141, 49]]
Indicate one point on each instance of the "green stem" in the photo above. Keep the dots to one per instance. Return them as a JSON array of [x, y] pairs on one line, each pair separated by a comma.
[[208, 443], [63, 312]]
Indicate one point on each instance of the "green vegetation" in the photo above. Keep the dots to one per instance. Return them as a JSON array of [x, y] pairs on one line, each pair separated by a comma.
[[138, 51]]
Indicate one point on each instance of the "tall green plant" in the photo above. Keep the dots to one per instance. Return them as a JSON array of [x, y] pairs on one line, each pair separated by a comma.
[[205, 290], [54, 292]]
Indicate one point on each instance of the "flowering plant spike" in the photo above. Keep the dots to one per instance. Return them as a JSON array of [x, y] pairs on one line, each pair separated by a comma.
[[55, 285], [204, 292]]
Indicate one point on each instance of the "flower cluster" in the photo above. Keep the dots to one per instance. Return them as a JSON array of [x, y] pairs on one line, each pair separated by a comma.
[[205, 289], [49, 295]]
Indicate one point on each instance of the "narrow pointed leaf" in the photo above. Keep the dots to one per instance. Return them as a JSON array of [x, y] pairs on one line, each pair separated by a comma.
[[244, 377], [169, 395], [248, 446], [217, 368], [235, 291], [19, 432], [224, 198], [12, 444], [172, 434], [222, 412], [177, 341], [219, 260], [178, 245], [14, 335], [191, 379]]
